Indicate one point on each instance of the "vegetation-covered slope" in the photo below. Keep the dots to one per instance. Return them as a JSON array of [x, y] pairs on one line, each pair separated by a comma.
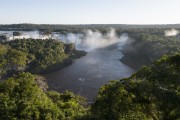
[[20, 96], [151, 93], [145, 48], [22, 99], [36, 56]]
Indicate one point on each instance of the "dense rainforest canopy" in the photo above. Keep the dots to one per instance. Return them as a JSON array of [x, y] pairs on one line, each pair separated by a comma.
[[143, 48], [21, 98], [35, 56], [152, 93], [23, 95]]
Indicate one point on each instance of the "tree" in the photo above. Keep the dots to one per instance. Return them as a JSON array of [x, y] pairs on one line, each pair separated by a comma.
[[11, 60], [151, 93], [21, 98]]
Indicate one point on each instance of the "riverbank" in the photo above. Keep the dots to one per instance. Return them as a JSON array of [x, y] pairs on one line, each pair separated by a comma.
[[87, 74], [76, 54], [36, 56]]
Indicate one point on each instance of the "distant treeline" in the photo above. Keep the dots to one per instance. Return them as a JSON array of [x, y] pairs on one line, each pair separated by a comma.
[[78, 28]]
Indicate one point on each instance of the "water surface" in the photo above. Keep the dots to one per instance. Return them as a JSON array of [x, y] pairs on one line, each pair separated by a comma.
[[87, 74]]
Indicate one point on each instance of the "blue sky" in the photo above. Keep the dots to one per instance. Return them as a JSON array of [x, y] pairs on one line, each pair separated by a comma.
[[90, 11]]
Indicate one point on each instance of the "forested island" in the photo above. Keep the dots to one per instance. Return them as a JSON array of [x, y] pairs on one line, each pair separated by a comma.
[[151, 93]]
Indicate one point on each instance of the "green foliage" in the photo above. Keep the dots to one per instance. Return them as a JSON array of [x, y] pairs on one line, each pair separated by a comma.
[[21, 98], [155, 29], [114, 102], [70, 104], [151, 93], [42, 53], [11, 60], [39, 56], [146, 47], [164, 72]]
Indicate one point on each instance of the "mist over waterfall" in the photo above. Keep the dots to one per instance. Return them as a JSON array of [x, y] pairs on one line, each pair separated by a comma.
[[93, 40], [29, 34], [172, 32], [89, 40]]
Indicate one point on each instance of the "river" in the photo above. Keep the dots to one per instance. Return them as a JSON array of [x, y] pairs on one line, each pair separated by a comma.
[[87, 74]]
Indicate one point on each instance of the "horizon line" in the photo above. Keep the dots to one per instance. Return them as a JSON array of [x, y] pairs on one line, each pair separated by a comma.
[[89, 24]]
